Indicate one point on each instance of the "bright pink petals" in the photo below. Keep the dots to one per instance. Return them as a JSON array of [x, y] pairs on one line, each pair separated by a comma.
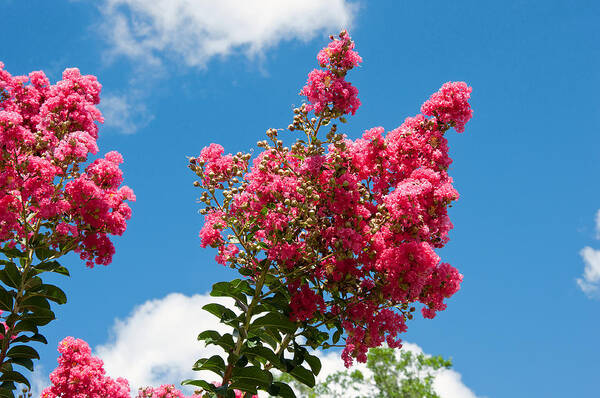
[[450, 105], [47, 132], [328, 89], [164, 391], [350, 226], [81, 375]]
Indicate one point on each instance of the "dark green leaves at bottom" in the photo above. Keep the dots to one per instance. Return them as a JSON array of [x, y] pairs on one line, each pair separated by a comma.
[[10, 275], [6, 300], [15, 376], [281, 390], [303, 375], [247, 379], [23, 351]]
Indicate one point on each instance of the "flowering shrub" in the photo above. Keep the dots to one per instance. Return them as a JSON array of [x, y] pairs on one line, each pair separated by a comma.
[[50, 202], [337, 236]]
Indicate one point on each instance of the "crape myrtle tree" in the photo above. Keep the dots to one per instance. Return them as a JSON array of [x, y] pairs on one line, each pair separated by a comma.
[[51, 203], [334, 238]]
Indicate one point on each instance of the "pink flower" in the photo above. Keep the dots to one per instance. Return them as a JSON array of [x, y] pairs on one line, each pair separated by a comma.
[[450, 105], [81, 375], [323, 88]]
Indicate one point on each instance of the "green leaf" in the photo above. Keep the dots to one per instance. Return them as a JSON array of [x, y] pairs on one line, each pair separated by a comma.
[[299, 354], [220, 311], [40, 317], [251, 376], [303, 375], [10, 275], [53, 293], [16, 377], [23, 351], [39, 338], [281, 390], [25, 326], [34, 303], [13, 252], [314, 363], [33, 284], [336, 336], [44, 252], [241, 362], [278, 301], [274, 320], [215, 338], [226, 391], [214, 364], [25, 362], [199, 383], [265, 353], [6, 300], [52, 266], [244, 385], [6, 393], [270, 340], [236, 289]]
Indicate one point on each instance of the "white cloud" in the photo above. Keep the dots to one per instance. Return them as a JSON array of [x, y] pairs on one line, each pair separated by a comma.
[[194, 31], [591, 273], [124, 113], [157, 344], [448, 384]]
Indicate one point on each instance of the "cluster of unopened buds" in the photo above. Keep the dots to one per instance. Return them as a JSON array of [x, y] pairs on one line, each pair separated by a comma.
[[350, 226]]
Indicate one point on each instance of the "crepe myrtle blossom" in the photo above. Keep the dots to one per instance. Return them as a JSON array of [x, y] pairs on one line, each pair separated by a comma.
[[350, 226], [47, 133], [81, 375]]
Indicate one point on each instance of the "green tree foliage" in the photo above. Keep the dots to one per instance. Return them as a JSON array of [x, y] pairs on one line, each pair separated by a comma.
[[407, 375]]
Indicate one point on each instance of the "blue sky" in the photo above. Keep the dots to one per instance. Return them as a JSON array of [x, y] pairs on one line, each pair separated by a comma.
[[526, 168]]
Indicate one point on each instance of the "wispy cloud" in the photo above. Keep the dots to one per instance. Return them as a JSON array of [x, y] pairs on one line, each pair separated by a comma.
[[157, 344], [192, 32], [590, 282], [125, 114]]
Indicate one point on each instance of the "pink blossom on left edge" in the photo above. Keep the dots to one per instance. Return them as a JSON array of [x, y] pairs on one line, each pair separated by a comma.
[[47, 133]]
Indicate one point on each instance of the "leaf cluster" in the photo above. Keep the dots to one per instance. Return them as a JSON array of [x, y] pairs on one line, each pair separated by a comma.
[[25, 302], [263, 340]]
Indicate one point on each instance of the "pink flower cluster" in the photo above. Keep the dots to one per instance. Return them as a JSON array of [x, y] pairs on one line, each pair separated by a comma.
[[339, 54], [81, 375], [449, 104], [164, 391], [47, 132], [350, 226], [328, 89]]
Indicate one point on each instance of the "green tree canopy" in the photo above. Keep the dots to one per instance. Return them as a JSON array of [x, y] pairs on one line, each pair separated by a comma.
[[392, 375]]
